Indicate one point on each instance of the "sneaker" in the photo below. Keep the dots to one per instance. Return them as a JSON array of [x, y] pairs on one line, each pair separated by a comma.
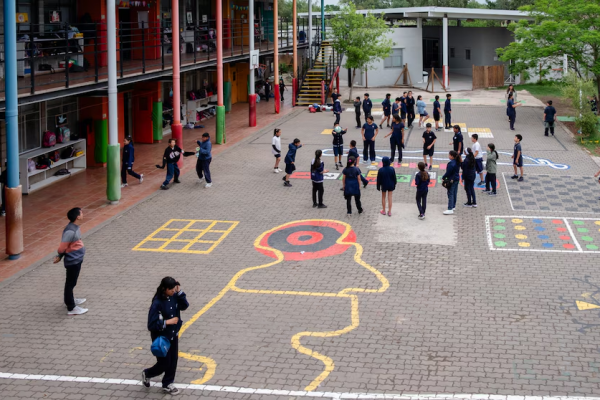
[[481, 184], [360, 211], [514, 177], [315, 205], [171, 389], [283, 179], [200, 180], [124, 185], [208, 185], [341, 165], [163, 187], [421, 216], [341, 188], [141, 178], [276, 171], [430, 167], [357, 127], [79, 301], [487, 191], [474, 205], [520, 179], [322, 206], [77, 311], [145, 379], [448, 212], [287, 184], [176, 181], [279, 169], [337, 167], [491, 193], [467, 205]]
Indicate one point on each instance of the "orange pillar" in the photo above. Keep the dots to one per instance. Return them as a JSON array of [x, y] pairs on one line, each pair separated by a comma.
[[276, 54]]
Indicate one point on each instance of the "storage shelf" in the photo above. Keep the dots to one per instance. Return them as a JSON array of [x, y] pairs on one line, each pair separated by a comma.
[[50, 180], [55, 164]]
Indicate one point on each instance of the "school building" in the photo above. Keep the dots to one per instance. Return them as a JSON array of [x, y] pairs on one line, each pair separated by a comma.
[[62, 60], [427, 38]]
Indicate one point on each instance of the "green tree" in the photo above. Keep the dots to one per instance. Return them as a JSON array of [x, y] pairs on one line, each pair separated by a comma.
[[560, 27], [362, 39], [578, 90]]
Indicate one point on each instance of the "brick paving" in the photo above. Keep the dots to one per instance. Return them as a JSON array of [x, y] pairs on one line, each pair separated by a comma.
[[455, 319]]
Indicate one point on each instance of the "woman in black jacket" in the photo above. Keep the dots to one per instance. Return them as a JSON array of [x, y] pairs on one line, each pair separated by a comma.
[[468, 168], [164, 319]]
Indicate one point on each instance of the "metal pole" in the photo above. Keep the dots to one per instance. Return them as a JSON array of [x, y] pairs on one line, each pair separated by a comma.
[[113, 183], [295, 44], [13, 207], [176, 128], [276, 54], [220, 139], [251, 83], [445, 51], [310, 21], [322, 19]]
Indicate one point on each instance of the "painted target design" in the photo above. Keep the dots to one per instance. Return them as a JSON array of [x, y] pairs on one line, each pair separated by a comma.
[[307, 240]]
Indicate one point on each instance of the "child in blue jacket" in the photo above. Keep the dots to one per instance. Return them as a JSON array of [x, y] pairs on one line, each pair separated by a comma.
[[386, 183], [337, 108], [127, 167], [290, 159], [204, 158]]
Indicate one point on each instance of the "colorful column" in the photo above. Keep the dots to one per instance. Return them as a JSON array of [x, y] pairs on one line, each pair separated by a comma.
[[220, 107], [176, 128], [445, 52], [276, 55], [113, 180], [295, 42], [14, 206], [251, 83], [310, 21], [322, 19]]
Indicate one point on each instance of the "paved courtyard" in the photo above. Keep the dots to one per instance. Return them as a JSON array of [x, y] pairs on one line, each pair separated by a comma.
[[289, 302]]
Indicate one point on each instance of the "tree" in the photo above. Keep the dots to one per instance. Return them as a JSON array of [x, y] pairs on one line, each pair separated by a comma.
[[578, 90], [361, 38], [560, 27]]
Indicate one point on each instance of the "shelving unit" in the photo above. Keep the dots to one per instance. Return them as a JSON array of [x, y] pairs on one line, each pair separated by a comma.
[[24, 63], [40, 178]]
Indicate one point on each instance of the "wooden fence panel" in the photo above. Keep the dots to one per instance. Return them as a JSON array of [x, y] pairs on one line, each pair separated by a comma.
[[488, 76]]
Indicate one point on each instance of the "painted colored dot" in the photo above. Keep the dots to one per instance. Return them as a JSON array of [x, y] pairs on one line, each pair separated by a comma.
[[501, 221], [597, 222], [557, 221], [569, 246], [521, 236], [537, 221], [564, 237], [547, 245], [587, 238], [524, 244], [520, 227], [517, 221], [582, 230], [591, 247], [499, 235], [500, 244], [578, 222], [499, 228], [561, 229], [542, 229], [543, 237]]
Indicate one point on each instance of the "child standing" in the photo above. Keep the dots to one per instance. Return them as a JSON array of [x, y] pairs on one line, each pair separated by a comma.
[[422, 184], [549, 118], [437, 112], [397, 139], [403, 110], [357, 105], [338, 145], [276, 149], [337, 108], [127, 167], [353, 153], [369, 134], [386, 183], [204, 159], [421, 110], [387, 110], [396, 107], [317, 169], [290, 159], [457, 140], [518, 158], [351, 182], [429, 140], [448, 112], [490, 168], [453, 176], [478, 158], [468, 176], [171, 157], [367, 105]]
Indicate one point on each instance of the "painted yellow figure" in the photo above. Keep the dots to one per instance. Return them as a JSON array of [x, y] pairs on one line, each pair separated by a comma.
[[299, 241]]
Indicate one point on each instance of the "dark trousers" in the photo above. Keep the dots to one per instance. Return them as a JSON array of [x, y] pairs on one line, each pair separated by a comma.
[[70, 283], [166, 365], [422, 201], [490, 179], [470, 189], [358, 123], [337, 118], [356, 200], [452, 195], [447, 120], [281, 93], [203, 169], [411, 117], [551, 127], [396, 144], [125, 170], [369, 150], [511, 119], [172, 172], [317, 189], [367, 113], [267, 95]]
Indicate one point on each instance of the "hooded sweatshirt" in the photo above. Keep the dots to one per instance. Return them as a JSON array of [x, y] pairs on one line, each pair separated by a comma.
[[386, 176]]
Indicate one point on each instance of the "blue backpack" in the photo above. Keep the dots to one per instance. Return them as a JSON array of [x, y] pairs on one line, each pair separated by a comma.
[[160, 346]]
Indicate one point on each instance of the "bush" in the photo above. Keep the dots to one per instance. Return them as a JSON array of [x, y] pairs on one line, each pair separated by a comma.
[[284, 68], [587, 124]]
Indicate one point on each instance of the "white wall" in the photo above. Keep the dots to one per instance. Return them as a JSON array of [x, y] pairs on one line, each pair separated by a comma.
[[410, 40]]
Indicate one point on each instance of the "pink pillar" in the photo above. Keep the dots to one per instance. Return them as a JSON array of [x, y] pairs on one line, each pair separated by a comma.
[[276, 55], [176, 128]]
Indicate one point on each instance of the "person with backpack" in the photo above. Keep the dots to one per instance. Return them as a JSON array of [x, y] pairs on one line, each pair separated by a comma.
[[127, 167], [317, 169], [164, 320]]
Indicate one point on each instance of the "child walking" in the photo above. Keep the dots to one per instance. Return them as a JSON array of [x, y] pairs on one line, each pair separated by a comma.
[[387, 110], [437, 112], [386, 183], [338, 145], [490, 169], [422, 184], [448, 112], [429, 140], [478, 157], [468, 176], [357, 105], [518, 158], [421, 110], [351, 182], [127, 167], [317, 169], [204, 159], [290, 159], [276, 149]]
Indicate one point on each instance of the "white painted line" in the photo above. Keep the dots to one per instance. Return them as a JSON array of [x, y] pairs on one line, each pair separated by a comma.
[[489, 233], [507, 192], [572, 235]]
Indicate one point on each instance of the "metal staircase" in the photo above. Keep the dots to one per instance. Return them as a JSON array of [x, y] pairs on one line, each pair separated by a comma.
[[322, 70]]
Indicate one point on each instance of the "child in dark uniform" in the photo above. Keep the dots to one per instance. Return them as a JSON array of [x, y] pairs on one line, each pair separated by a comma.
[[422, 184]]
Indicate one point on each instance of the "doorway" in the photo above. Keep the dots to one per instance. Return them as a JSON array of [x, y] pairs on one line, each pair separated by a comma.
[[431, 53], [125, 32], [127, 120]]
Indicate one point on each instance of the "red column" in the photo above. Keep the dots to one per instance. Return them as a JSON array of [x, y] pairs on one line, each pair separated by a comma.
[[176, 128]]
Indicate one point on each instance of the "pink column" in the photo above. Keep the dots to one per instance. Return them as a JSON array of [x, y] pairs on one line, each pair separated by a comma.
[[176, 128], [219, 52]]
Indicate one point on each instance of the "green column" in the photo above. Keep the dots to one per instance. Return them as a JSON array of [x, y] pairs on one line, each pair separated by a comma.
[[101, 140], [227, 95], [113, 173], [157, 121], [221, 125]]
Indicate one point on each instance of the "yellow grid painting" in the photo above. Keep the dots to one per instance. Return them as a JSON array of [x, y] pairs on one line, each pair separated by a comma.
[[192, 236]]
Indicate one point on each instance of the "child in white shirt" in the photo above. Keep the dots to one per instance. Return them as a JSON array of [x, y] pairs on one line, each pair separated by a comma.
[[276, 149]]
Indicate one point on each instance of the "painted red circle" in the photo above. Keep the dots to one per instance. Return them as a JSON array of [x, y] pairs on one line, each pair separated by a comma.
[[569, 246], [297, 238], [557, 221], [564, 237], [561, 229]]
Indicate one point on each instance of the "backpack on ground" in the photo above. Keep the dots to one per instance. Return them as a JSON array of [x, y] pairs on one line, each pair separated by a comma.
[[48, 139]]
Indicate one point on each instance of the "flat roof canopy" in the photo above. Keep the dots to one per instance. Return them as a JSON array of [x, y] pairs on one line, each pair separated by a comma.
[[438, 13]]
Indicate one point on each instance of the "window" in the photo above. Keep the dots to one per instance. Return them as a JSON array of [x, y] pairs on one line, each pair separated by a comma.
[[394, 60], [452, 52], [66, 106], [29, 127], [468, 54]]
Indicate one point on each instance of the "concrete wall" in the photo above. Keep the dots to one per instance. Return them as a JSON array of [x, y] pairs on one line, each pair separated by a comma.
[[410, 40]]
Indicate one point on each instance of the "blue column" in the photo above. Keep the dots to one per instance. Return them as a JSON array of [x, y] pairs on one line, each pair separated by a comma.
[[10, 79], [322, 19]]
